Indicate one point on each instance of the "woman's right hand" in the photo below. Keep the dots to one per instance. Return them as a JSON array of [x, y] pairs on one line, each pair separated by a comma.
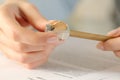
[[19, 43]]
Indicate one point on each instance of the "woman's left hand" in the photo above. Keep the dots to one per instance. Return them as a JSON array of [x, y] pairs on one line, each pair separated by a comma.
[[112, 44]]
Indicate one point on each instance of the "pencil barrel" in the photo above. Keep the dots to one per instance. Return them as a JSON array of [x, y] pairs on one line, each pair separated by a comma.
[[90, 36]]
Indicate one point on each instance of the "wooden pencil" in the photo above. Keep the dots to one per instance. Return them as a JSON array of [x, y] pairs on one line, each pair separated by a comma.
[[90, 36]]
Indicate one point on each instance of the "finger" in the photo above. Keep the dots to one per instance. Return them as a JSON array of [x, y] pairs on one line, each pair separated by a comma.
[[33, 16], [111, 45], [100, 45], [20, 47], [23, 57], [35, 64], [22, 21], [8, 26], [117, 53], [14, 31]]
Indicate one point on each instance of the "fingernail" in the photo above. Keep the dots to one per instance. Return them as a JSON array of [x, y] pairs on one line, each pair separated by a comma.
[[52, 40]]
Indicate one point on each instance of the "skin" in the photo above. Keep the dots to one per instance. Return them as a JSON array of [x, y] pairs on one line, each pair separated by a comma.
[[112, 44], [25, 46]]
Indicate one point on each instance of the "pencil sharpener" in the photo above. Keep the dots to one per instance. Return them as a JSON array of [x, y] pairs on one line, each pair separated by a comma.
[[59, 28]]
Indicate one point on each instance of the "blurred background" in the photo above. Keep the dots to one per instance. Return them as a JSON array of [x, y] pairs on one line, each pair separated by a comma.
[[95, 16]]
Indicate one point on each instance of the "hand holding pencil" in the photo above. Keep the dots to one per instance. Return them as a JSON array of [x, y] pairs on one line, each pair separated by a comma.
[[20, 43], [111, 42]]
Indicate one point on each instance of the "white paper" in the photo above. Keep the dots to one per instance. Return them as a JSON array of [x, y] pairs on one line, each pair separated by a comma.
[[77, 59]]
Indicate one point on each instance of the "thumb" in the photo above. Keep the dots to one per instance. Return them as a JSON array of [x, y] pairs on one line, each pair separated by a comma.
[[33, 16]]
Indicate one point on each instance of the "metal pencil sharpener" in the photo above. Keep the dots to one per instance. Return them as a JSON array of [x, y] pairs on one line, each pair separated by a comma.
[[59, 28]]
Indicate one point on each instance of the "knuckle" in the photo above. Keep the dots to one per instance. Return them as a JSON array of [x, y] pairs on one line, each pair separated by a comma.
[[29, 66], [21, 47], [15, 35], [23, 58]]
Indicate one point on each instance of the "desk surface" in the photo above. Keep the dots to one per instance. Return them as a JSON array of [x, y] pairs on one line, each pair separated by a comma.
[[76, 59]]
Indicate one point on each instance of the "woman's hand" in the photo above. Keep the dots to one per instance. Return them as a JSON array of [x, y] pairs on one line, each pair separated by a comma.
[[112, 44], [19, 43]]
